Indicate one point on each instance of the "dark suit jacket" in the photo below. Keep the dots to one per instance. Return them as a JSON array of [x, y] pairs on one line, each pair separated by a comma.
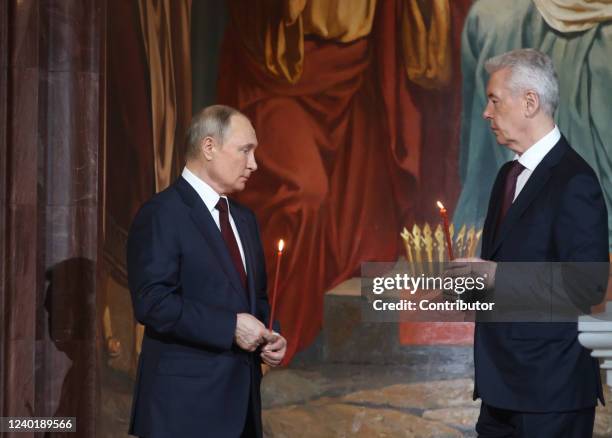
[[193, 381], [559, 216]]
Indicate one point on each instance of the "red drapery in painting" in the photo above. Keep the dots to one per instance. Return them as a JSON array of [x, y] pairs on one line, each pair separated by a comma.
[[343, 154]]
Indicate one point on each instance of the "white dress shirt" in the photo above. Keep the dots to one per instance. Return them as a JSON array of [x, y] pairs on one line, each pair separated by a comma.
[[211, 198], [532, 157]]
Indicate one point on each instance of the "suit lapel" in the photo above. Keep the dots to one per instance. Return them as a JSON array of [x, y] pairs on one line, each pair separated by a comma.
[[534, 186], [493, 212], [208, 228], [242, 227]]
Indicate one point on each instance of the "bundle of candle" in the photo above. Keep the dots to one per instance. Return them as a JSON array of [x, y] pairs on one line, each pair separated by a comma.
[[425, 244]]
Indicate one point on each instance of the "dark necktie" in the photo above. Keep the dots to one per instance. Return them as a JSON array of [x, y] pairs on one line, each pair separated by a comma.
[[509, 188], [230, 240]]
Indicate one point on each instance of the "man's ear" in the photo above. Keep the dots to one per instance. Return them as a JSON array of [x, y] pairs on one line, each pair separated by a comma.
[[207, 146], [531, 103]]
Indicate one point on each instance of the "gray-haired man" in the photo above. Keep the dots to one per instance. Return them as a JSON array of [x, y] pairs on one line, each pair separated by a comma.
[[535, 379]]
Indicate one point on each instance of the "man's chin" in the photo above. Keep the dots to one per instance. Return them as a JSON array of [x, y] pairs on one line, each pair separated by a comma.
[[239, 186], [500, 139]]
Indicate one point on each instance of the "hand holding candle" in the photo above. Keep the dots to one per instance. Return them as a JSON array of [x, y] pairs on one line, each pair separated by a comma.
[[281, 246], [449, 243]]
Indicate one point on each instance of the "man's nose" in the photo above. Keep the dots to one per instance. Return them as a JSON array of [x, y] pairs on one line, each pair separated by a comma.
[[251, 163], [486, 114]]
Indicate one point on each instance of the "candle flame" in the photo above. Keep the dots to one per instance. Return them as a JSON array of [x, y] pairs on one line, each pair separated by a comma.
[[281, 245], [440, 205]]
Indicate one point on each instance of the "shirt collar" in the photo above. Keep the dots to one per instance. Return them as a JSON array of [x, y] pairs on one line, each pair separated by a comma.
[[206, 192], [536, 153]]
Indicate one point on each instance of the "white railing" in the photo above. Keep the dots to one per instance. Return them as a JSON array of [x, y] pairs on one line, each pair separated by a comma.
[[595, 333]]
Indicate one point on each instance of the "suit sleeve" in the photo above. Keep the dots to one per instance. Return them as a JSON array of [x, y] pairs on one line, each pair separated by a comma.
[[581, 228], [581, 236], [488, 226], [153, 260]]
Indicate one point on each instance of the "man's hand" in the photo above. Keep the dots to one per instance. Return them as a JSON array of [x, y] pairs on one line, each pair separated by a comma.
[[274, 349], [250, 332], [473, 267]]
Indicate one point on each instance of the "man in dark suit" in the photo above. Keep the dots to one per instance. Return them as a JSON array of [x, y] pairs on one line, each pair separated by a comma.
[[534, 378], [198, 283]]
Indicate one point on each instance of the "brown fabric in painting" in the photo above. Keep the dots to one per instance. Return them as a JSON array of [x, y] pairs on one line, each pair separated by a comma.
[[165, 26], [129, 133], [149, 108]]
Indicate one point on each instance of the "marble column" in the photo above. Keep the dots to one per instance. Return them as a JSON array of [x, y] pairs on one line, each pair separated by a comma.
[[50, 161]]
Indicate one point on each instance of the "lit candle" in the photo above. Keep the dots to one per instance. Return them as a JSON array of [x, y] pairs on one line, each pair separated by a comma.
[[449, 243], [279, 254]]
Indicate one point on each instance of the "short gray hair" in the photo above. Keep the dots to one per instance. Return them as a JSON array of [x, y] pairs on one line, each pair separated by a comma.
[[212, 121], [530, 70]]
